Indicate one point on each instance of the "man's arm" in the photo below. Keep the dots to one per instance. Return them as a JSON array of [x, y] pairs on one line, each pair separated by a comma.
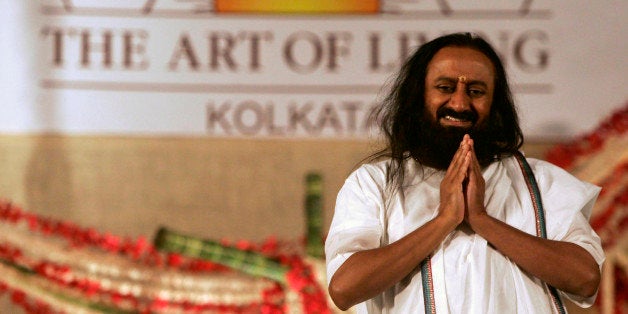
[[368, 273], [563, 265]]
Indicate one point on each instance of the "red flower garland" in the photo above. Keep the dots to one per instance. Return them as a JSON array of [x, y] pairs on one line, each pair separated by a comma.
[[612, 221], [300, 277], [565, 155]]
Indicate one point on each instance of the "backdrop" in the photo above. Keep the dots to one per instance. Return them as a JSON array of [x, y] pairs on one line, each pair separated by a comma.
[[275, 69]]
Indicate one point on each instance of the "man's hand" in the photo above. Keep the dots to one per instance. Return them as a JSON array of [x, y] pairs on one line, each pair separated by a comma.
[[452, 192], [474, 186]]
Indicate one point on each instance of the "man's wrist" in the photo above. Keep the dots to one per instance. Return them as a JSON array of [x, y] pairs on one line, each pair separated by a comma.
[[448, 223], [479, 222]]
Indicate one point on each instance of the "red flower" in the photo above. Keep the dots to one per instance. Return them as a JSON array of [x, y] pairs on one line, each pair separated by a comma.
[[159, 304], [18, 297], [90, 288], [3, 287], [269, 246], [244, 245], [110, 243], [174, 260]]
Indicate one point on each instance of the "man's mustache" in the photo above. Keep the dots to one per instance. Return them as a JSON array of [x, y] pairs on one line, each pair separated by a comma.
[[467, 115]]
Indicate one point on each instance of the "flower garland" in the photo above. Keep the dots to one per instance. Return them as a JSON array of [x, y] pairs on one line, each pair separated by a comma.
[[565, 155], [601, 157], [69, 267], [610, 217], [612, 220]]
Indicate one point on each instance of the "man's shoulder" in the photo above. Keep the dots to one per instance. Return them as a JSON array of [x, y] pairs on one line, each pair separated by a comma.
[[544, 171], [372, 169], [534, 162], [540, 165]]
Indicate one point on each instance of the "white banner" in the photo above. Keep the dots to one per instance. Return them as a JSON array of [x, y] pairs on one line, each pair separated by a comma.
[[249, 69]]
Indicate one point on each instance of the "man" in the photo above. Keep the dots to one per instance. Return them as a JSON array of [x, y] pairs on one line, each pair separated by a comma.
[[446, 223]]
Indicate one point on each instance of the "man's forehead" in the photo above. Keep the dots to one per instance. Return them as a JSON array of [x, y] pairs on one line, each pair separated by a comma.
[[461, 79], [456, 62]]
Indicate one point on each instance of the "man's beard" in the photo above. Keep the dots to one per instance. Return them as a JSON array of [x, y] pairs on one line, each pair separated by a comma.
[[438, 143]]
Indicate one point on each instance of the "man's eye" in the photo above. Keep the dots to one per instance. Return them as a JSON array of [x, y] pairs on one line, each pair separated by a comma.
[[445, 88], [476, 92]]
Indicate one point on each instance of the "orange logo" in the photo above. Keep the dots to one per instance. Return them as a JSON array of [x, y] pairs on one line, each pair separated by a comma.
[[297, 6]]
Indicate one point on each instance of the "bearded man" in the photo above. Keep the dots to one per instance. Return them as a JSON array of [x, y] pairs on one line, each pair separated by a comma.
[[450, 217]]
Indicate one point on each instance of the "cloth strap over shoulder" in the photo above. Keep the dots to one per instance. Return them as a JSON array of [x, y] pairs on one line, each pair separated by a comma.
[[539, 213]]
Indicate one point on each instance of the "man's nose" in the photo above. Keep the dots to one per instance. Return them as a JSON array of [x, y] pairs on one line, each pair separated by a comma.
[[460, 100]]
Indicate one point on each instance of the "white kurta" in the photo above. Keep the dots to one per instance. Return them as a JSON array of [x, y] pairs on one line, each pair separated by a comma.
[[469, 275]]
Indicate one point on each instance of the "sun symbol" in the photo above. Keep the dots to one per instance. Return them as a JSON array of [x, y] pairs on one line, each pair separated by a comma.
[[297, 6]]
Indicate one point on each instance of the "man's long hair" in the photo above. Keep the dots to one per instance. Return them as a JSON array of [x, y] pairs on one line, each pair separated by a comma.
[[402, 111]]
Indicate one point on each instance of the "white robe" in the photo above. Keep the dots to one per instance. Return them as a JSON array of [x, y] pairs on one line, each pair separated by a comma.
[[469, 276]]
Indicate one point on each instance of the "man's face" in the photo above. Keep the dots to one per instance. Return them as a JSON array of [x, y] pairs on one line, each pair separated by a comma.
[[458, 94], [459, 87]]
